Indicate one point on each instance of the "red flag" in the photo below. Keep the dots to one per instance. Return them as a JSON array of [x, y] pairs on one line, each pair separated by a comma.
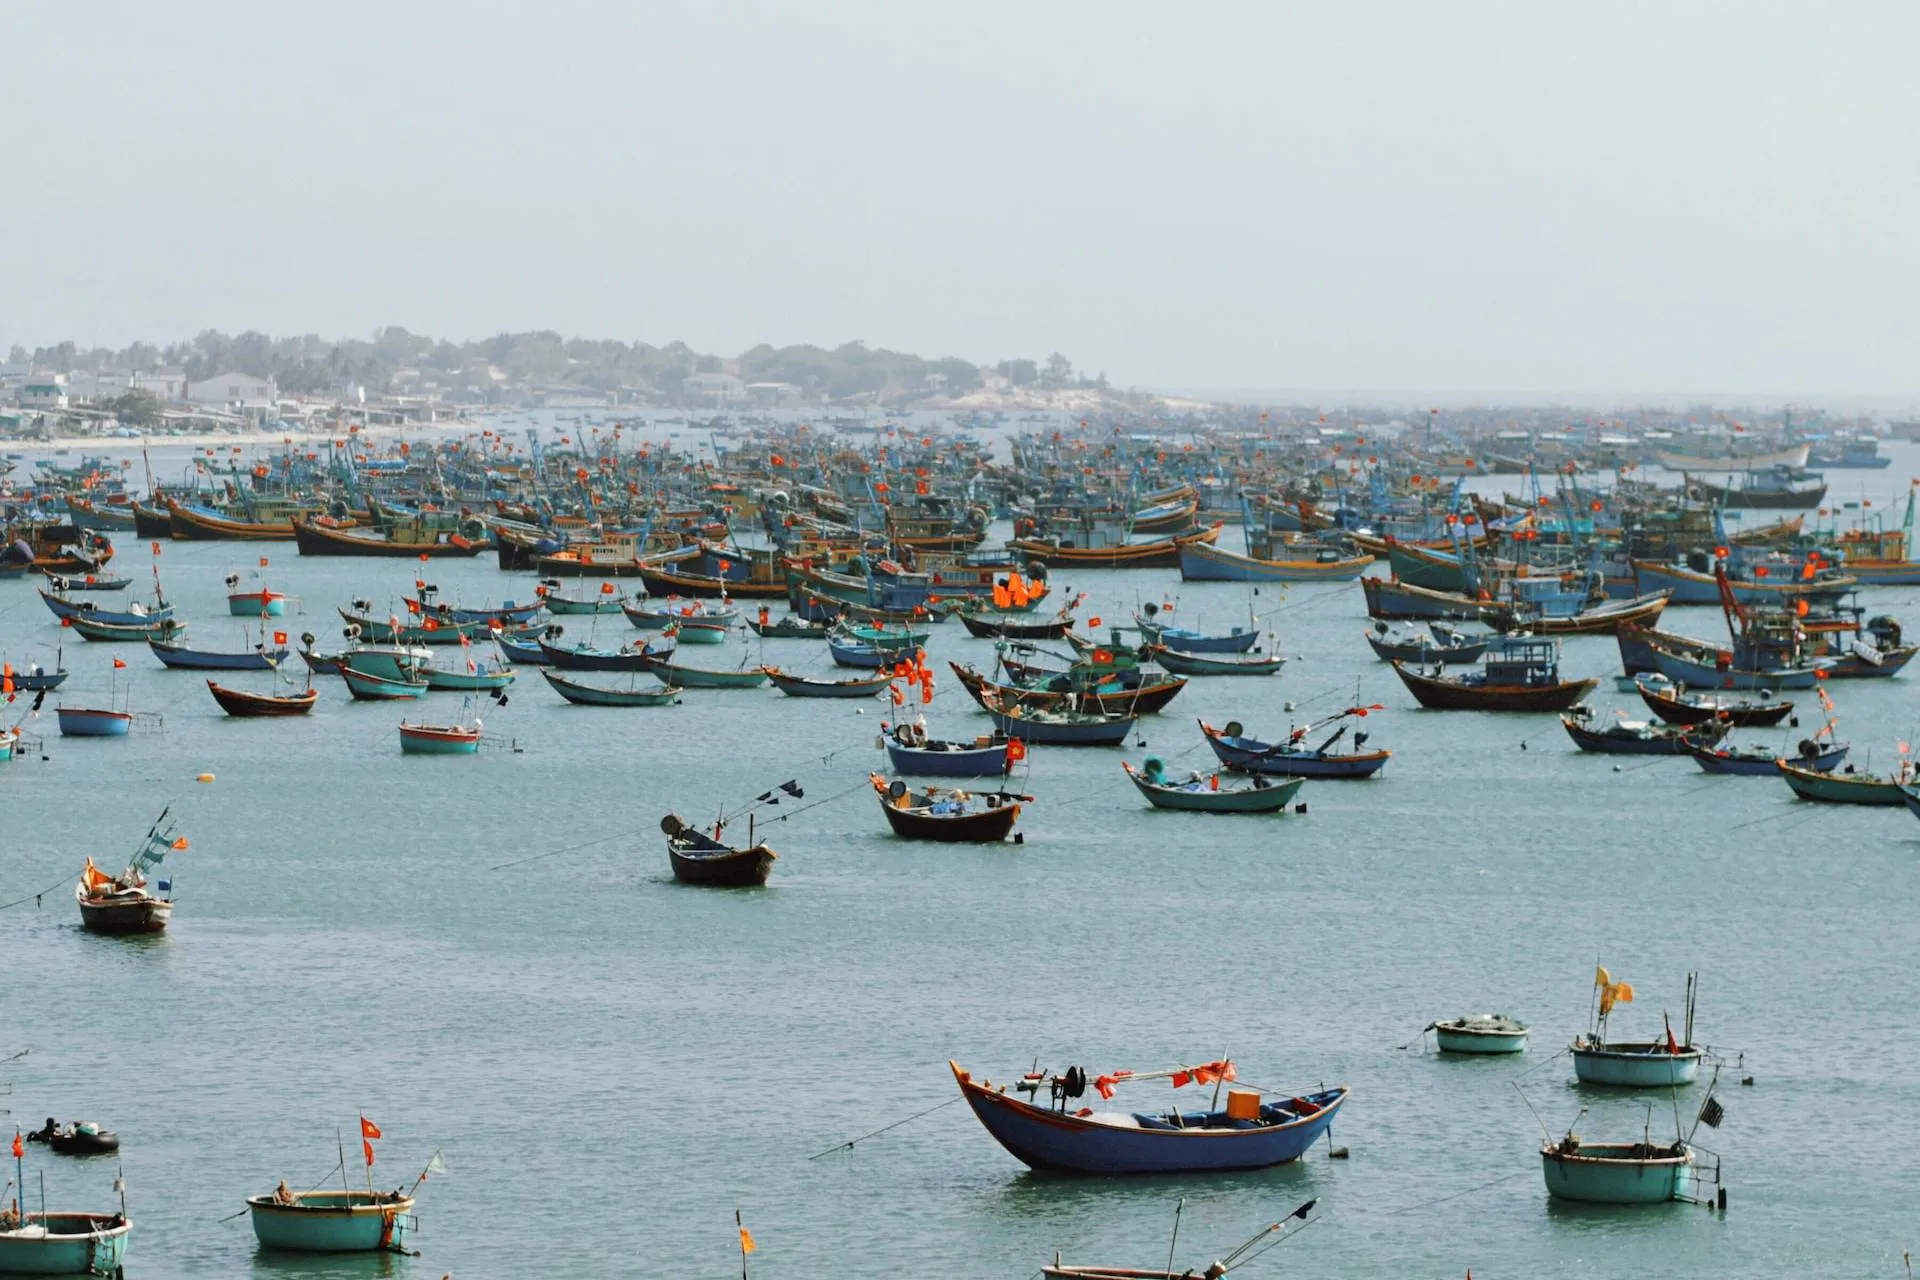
[[367, 1147], [119, 664], [19, 1152], [279, 637], [368, 1129], [1181, 1079]]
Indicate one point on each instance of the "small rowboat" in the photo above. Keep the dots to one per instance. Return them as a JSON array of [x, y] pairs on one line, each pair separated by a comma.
[[1634, 1064], [952, 817], [67, 586], [482, 679], [66, 1244], [1183, 640], [1481, 1033], [853, 653], [699, 859], [590, 695], [256, 604], [1617, 1172], [701, 678], [911, 752], [138, 616], [1764, 762], [606, 602], [179, 657], [1059, 728], [806, 687], [93, 722], [1639, 737], [1188, 664], [366, 688], [1677, 705], [1211, 794], [439, 740], [669, 614], [238, 702], [1438, 643], [1002, 627], [789, 628], [333, 1221], [1842, 788], [521, 653], [89, 629], [1294, 758], [581, 657]]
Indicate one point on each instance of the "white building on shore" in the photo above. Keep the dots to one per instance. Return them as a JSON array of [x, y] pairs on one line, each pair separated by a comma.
[[235, 390]]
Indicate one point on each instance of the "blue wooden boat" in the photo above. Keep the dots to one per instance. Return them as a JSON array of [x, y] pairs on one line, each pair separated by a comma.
[[34, 679], [93, 722], [490, 678], [1064, 1137], [333, 1221], [1435, 643], [173, 654], [66, 1244], [1844, 787], [137, 616], [1200, 562], [1765, 761], [610, 600], [439, 740], [1188, 664], [1060, 728], [1296, 757], [369, 688], [521, 652], [1617, 1172], [796, 686], [671, 612], [686, 677], [1719, 672], [1211, 794], [912, 752], [629, 657], [115, 633], [591, 695], [791, 627], [1183, 640], [254, 604], [89, 582], [1621, 736], [858, 655]]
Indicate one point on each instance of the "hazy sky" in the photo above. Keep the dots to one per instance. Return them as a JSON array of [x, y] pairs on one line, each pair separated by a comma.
[[1602, 196]]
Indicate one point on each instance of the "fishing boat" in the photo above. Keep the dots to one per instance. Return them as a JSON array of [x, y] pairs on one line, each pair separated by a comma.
[[1182, 663], [1844, 786], [64, 1244], [521, 652], [1210, 793], [708, 618], [593, 695], [89, 582], [952, 817], [609, 600], [93, 722], [912, 752], [259, 603], [333, 1221], [1518, 673], [238, 702], [685, 677], [179, 656], [1203, 562], [1061, 1136], [1481, 1033], [698, 858], [1092, 549], [790, 627], [857, 654], [124, 904], [1246, 1251], [988, 626], [35, 678], [1617, 1172], [1634, 1064], [322, 536], [584, 657], [1823, 757], [1185, 640], [1059, 728], [1676, 704], [1436, 642], [798, 686], [115, 633], [82, 1138], [137, 614], [439, 740], [191, 522], [1296, 757], [388, 661], [371, 688], [1621, 736]]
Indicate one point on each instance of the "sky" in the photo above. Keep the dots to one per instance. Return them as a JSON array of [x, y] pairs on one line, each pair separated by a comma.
[[1540, 197]]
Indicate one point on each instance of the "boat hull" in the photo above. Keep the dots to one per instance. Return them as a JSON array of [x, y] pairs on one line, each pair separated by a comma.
[[982, 826], [1612, 1173], [1260, 796], [1448, 695], [587, 695], [124, 917], [1461, 1040], [1200, 562], [72, 1246], [83, 722], [1251, 756], [332, 1222], [719, 868], [951, 761], [1636, 1066], [433, 740], [238, 702], [1840, 788]]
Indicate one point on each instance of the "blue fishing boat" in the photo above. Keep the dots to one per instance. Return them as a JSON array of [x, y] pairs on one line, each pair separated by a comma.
[[521, 652], [583, 657], [476, 677], [118, 633], [1437, 642], [798, 686], [1059, 728], [173, 654], [1297, 757], [1617, 1172], [913, 753], [369, 688], [1845, 786], [1061, 1136], [93, 722], [135, 615], [1480, 1033], [686, 677], [1183, 640], [1200, 562], [34, 678], [1199, 793], [1634, 1064], [65, 1244], [439, 740], [89, 582], [857, 654], [673, 611], [333, 1221], [1190, 664], [1764, 762], [583, 694]]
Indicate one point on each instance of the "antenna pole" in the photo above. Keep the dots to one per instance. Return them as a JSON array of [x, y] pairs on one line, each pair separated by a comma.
[[1176, 1233]]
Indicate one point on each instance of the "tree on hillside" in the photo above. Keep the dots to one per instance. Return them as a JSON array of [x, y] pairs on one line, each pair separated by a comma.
[[136, 408]]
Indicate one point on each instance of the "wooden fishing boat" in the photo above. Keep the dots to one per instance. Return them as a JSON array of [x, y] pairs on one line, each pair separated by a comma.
[[670, 613], [1765, 761], [592, 695], [1481, 1033], [1202, 562], [1190, 664], [1518, 673], [1250, 1132], [1676, 704], [1185, 640], [1146, 693], [431, 629], [491, 678], [699, 859], [34, 679], [256, 604], [93, 722], [93, 583], [125, 904], [65, 1244], [521, 652], [580, 657], [138, 615], [1393, 600], [610, 600], [1211, 794], [686, 677], [1246, 1251], [333, 1221], [857, 654], [151, 522], [1296, 758], [1690, 586], [179, 656], [439, 740], [369, 688], [317, 536], [663, 581], [797, 686], [1002, 627], [196, 523], [1434, 643], [1621, 736], [1159, 553], [1591, 619], [1843, 787], [388, 661], [789, 628], [238, 702], [1059, 728], [951, 817], [111, 633], [912, 752]]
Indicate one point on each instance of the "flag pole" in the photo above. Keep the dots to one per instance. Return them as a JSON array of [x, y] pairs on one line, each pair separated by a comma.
[[365, 1149], [342, 1144], [741, 1228]]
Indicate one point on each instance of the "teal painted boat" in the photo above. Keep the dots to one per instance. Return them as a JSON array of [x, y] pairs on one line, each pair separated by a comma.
[[1218, 793], [701, 678], [1841, 788], [1207, 664], [333, 1221], [366, 688], [439, 740], [1617, 1172], [592, 695], [1481, 1033], [482, 679], [65, 1244], [1635, 1064]]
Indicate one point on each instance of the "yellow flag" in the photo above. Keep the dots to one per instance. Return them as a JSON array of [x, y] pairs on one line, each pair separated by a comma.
[[746, 1241], [1601, 978], [1623, 992]]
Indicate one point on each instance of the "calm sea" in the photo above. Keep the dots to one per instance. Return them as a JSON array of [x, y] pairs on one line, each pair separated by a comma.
[[612, 1064]]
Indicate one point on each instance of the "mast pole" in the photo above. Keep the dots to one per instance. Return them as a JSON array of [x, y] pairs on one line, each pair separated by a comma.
[[1176, 1233], [341, 1142]]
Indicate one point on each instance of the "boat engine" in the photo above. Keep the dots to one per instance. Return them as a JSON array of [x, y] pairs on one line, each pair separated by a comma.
[[1069, 1085]]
